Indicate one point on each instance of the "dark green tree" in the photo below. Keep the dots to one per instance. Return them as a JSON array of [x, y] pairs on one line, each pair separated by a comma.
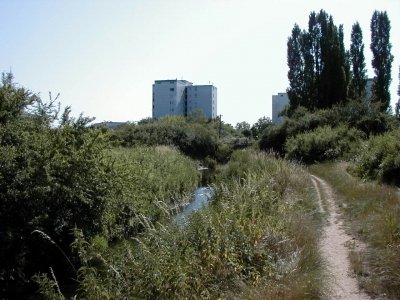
[[52, 179], [260, 126], [319, 68], [397, 109], [331, 88], [359, 80], [295, 61], [382, 59]]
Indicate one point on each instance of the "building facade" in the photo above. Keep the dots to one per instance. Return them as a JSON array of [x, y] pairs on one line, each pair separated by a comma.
[[279, 103], [181, 97], [203, 98]]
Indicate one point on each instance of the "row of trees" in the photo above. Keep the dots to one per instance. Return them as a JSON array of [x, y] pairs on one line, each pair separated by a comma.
[[322, 73]]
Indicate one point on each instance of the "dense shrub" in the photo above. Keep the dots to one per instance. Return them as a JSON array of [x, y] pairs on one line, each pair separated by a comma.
[[321, 144], [365, 117], [379, 158], [248, 237], [303, 120], [51, 180], [273, 138], [150, 181], [194, 139], [58, 175], [356, 114]]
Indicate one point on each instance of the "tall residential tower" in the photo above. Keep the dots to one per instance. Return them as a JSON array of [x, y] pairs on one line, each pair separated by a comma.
[[181, 97]]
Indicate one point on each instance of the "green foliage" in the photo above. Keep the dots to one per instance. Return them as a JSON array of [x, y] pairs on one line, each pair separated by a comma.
[[359, 115], [13, 99], [382, 59], [321, 144], [397, 107], [55, 178], [50, 177], [359, 80], [259, 127], [295, 59], [242, 239], [151, 180], [192, 138], [379, 158], [273, 138], [318, 66]]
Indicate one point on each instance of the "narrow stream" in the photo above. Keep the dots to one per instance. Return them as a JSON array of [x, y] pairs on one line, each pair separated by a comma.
[[202, 197]]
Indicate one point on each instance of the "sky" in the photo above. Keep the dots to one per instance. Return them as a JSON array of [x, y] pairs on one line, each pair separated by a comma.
[[103, 56]]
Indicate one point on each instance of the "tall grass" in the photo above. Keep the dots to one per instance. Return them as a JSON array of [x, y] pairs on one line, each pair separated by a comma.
[[258, 239], [150, 181], [373, 212]]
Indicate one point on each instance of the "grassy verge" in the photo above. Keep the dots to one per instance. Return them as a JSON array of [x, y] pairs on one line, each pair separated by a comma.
[[372, 212], [150, 181], [258, 240]]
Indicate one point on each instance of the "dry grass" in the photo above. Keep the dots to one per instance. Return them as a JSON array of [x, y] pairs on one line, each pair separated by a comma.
[[372, 213]]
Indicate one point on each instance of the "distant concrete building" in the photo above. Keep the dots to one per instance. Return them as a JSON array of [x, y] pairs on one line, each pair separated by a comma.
[[279, 103], [169, 98], [204, 98], [368, 89], [181, 97]]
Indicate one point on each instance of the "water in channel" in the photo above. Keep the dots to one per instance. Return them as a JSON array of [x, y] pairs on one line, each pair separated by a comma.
[[202, 197]]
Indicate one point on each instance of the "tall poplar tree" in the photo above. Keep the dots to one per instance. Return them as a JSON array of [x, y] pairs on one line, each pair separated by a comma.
[[359, 80], [397, 109], [295, 63], [382, 59], [319, 69]]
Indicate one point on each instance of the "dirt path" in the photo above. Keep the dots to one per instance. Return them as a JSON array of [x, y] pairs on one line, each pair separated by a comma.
[[342, 284]]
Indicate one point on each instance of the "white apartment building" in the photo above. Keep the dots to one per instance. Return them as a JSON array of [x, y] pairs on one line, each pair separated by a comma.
[[180, 98], [279, 103], [204, 98]]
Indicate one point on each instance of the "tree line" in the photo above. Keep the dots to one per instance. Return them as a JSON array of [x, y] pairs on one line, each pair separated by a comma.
[[322, 73]]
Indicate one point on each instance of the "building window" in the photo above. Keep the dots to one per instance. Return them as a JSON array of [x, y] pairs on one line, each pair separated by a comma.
[[171, 89]]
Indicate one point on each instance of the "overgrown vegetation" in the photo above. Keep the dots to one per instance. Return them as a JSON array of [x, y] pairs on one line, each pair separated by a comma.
[[379, 158], [330, 107], [57, 175], [372, 210], [258, 238], [87, 211], [324, 143], [198, 138]]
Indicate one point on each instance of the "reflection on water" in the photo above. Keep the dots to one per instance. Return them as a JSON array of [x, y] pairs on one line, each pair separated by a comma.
[[201, 199]]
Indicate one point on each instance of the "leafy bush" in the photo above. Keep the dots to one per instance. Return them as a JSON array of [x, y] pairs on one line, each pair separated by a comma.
[[379, 158], [274, 138], [355, 114], [365, 117], [58, 175], [303, 120], [150, 181], [323, 143], [248, 237], [194, 139], [51, 180]]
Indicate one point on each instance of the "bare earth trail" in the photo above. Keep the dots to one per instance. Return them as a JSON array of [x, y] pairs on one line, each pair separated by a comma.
[[342, 285]]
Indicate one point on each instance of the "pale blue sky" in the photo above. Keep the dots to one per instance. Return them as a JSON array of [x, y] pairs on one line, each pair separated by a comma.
[[103, 56]]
